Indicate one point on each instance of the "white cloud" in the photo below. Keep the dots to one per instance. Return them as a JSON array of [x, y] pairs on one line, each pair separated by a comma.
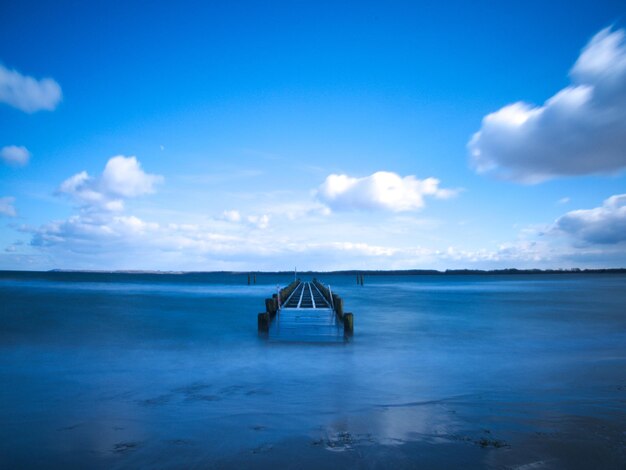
[[285, 206], [258, 221], [564, 200], [122, 178], [601, 225], [232, 215], [13, 248], [27, 93], [14, 155], [261, 221], [580, 130], [6, 206], [382, 190], [364, 249]]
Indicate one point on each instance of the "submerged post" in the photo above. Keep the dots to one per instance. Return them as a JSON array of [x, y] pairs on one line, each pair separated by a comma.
[[348, 324]]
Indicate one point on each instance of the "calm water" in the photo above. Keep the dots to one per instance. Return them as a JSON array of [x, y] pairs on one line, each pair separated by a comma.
[[167, 371]]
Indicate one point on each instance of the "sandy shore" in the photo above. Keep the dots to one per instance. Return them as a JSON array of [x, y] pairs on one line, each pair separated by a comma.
[[476, 431]]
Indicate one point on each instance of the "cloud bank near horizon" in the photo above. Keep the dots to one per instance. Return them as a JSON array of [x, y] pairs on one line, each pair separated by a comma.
[[234, 241], [604, 225]]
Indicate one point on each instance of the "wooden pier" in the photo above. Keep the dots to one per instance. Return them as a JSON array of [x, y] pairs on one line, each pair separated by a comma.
[[305, 312]]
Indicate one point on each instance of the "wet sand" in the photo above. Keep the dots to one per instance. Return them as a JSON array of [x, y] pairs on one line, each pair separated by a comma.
[[197, 426]]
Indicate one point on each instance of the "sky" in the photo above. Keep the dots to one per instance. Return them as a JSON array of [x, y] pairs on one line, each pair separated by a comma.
[[324, 135]]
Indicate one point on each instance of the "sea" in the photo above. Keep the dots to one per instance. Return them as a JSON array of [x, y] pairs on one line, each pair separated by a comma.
[[158, 370]]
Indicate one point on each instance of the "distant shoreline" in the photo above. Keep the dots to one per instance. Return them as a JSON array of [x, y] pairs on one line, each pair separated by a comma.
[[404, 272]]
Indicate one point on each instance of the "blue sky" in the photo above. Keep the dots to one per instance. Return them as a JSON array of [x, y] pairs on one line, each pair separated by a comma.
[[327, 135]]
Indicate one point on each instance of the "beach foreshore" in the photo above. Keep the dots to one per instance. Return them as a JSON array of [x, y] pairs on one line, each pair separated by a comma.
[[463, 432]]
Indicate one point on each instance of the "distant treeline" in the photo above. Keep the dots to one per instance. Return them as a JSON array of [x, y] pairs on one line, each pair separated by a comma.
[[430, 272], [354, 272]]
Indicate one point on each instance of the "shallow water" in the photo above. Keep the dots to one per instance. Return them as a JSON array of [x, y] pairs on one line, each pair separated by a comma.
[[167, 371]]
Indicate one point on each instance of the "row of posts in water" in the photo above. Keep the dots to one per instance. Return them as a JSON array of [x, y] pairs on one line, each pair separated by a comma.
[[272, 304]]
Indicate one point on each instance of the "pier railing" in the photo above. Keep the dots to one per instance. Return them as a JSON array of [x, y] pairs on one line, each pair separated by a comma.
[[337, 303]]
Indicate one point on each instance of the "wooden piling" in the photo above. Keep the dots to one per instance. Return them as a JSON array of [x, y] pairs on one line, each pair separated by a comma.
[[348, 324], [271, 306], [264, 322], [338, 303], [248, 278], [287, 291], [255, 278]]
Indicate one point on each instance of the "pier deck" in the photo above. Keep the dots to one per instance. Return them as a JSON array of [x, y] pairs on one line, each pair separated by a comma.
[[306, 316]]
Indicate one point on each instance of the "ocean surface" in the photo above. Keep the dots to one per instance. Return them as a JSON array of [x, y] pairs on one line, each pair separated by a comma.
[[456, 371]]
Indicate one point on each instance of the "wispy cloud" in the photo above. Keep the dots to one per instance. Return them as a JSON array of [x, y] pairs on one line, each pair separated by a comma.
[[382, 190], [6, 206], [27, 93], [232, 215], [580, 130], [261, 221], [14, 155]]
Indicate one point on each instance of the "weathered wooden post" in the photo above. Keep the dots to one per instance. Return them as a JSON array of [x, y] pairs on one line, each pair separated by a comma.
[[338, 303], [248, 278], [348, 324], [255, 278], [264, 322], [271, 306]]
